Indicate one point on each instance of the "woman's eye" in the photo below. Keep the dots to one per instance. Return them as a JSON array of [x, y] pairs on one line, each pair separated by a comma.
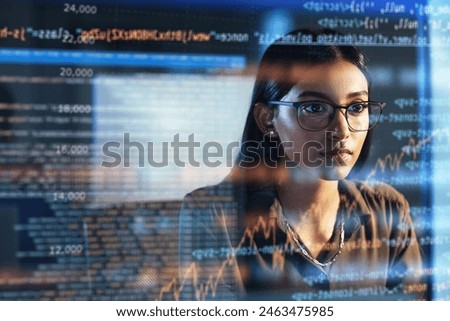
[[314, 108], [357, 108]]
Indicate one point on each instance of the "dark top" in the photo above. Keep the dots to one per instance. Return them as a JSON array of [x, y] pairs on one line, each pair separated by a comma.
[[232, 247]]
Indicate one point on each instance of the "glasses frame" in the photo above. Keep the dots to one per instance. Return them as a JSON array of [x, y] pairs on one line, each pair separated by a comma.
[[298, 104]]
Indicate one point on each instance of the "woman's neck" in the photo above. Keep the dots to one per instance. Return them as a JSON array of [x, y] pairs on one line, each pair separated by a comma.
[[306, 195], [310, 207]]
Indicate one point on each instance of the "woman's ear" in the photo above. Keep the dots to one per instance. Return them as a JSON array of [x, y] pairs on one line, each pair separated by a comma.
[[263, 116]]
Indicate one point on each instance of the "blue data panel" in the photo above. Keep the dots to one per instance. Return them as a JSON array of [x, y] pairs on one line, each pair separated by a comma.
[[111, 112]]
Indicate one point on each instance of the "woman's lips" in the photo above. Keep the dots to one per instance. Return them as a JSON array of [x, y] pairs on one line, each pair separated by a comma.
[[338, 154]]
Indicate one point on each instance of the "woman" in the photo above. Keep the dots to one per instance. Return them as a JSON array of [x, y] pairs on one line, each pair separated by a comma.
[[286, 223]]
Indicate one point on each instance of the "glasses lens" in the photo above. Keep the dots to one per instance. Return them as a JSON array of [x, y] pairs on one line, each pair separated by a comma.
[[318, 115], [363, 116], [374, 114], [315, 115]]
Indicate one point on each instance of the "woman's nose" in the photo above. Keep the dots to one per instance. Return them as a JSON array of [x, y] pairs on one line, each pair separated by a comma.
[[339, 125]]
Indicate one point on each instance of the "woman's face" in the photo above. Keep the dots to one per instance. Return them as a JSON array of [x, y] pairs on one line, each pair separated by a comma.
[[330, 153]]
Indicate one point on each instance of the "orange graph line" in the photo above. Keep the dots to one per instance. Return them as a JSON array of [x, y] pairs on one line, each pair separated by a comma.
[[413, 148], [176, 286]]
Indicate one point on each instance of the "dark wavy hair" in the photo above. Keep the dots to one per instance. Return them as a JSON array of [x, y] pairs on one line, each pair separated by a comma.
[[272, 83]]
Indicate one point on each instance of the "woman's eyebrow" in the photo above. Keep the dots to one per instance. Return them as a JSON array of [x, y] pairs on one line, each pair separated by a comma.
[[358, 93], [310, 93]]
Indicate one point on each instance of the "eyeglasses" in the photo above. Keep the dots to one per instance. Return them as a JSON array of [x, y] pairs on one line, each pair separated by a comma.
[[318, 115]]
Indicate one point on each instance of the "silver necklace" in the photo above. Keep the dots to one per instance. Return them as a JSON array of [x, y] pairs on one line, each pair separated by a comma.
[[305, 251]]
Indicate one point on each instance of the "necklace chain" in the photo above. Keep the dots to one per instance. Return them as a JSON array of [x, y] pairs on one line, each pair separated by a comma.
[[305, 251]]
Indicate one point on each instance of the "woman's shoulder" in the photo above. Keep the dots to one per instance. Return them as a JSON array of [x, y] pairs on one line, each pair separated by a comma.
[[221, 192], [230, 197], [379, 204], [224, 197], [375, 198], [378, 190]]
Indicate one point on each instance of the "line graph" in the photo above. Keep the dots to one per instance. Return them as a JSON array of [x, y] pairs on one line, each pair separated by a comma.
[[413, 148], [265, 228]]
